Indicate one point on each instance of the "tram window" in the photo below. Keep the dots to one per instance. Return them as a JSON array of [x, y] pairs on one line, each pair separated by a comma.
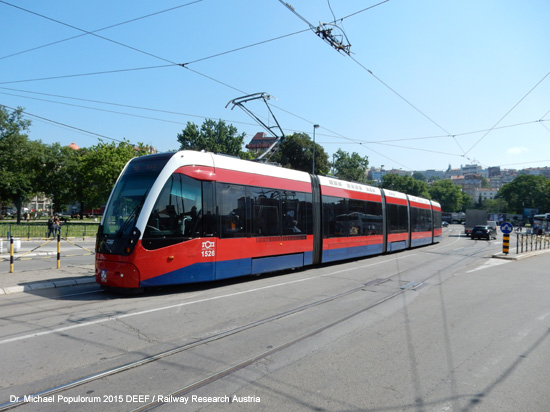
[[397, 218], [265, 219], [306, 212], [177, 213], [209, 227], [364, 218], [232, 205], [437, 218], [421, 220], [296, 208], [335, 222]]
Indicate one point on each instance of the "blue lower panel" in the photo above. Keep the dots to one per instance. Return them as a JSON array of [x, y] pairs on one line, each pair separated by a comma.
[[199, 272], [308, 258], [273, 263], [231, 268], [421, 242], [332, 255], [204, 272], [394, 246]]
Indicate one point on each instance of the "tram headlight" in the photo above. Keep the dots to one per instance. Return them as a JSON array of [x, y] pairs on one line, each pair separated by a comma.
[[132, 242]]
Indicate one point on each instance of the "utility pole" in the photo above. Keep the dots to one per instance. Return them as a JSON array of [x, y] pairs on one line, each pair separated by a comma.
[[315, 126]]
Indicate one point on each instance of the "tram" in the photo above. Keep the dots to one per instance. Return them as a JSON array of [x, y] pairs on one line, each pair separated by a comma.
[[185, 217]]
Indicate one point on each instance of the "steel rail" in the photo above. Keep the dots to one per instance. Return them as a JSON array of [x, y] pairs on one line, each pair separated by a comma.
[[243, 364]]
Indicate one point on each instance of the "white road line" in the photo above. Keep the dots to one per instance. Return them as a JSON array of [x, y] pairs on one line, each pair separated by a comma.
[[180, 305], [489, 264]]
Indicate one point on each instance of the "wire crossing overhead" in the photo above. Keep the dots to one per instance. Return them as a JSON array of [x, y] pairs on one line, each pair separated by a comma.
[[324, 31]]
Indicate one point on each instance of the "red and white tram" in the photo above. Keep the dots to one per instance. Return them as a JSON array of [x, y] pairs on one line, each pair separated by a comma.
[[189, 217]]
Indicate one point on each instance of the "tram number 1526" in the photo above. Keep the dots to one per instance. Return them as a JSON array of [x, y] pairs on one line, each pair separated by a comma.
[[208, 249]]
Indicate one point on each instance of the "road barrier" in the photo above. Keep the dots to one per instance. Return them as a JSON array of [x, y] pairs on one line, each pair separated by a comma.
[[39, 230], [529, 243], [42, 249]]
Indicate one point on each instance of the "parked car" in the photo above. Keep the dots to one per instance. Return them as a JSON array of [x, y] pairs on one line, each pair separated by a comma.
[[483, 232]]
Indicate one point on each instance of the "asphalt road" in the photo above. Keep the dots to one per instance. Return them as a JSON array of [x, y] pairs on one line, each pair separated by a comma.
[[440, 328]]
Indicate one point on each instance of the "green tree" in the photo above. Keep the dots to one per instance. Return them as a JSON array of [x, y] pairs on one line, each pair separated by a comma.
[[484, 183], [58, 180], [419, 176], [296, 152], [405, 184], [526, 191], [447, 194], [494, 205], [216, 137], [467, 202], [351, 167], [99, 168], [17, 175]]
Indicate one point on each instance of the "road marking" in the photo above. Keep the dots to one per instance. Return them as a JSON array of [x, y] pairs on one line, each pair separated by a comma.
[[180, 305], [489, 264]]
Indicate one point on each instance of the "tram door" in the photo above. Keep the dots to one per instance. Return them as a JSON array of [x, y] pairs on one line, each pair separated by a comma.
[[209, 228]]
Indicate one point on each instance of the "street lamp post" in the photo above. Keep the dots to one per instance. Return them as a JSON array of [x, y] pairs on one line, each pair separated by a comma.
[[315, 126]]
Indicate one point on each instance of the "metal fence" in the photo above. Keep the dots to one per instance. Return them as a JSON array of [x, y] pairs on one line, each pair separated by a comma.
[[529, 243], [39, 230]]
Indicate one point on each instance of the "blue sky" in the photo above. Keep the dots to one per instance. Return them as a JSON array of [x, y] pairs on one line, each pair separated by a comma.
[[428, 84]]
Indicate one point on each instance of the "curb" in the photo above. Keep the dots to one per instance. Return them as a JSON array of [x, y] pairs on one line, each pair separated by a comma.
[[32, 286], [522, 256]]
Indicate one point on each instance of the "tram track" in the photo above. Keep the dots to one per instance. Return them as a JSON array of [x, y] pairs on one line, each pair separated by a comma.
[[171, 352], [234, 331], [243, 364]]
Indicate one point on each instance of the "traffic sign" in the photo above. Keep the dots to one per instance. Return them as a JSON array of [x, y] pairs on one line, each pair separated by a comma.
[[506, 228]]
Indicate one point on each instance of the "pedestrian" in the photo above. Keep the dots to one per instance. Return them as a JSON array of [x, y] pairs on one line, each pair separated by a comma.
[[51, 224], [57, 226]]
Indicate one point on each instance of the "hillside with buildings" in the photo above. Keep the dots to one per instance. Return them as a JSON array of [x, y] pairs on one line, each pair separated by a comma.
[[475, 181]]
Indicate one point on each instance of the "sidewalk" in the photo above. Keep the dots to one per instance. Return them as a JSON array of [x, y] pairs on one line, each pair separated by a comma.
[[25, 279]]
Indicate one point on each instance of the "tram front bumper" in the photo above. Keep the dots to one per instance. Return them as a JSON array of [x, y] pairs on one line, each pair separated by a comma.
[[116, 274]]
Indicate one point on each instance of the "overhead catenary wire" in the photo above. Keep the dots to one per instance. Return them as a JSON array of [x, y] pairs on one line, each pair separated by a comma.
[[227, 85], [66, 76], [380, 80], [66, 125], [90, 33], [449, 134], [171, 112], [335, 134], [508, 112], [184, 65], [98, 30], [361, 11], [115, 104]]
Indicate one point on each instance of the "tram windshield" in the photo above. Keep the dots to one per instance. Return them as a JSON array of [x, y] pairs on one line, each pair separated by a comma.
[[130, 192]]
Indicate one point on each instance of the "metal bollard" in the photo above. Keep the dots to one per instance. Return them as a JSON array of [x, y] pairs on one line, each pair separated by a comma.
[[58, 250], [505, 243], [11, 254]]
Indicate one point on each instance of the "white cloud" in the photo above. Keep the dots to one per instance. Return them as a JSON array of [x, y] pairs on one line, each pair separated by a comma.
[[517, 150]]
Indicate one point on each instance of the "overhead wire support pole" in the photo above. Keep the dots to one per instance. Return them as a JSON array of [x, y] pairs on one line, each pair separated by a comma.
[[239, 101]]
